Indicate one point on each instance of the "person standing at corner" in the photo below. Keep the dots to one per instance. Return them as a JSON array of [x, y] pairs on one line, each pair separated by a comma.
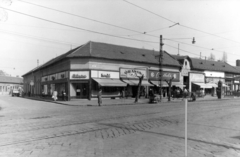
[[100, 97]]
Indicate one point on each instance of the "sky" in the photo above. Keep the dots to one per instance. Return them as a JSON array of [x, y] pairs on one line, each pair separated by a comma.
[[31, 34]]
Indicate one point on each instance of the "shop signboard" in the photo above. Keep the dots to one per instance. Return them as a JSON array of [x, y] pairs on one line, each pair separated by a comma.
[[166, 75], [197, 77], [132, 73], [214, 74], [214, 80], [105, 74], [79, 75]]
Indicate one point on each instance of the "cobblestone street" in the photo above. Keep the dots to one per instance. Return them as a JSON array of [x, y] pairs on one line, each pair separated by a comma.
[[36, 129]]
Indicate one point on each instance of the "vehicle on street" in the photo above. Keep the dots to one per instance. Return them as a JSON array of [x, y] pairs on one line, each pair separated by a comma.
[[15, 92]]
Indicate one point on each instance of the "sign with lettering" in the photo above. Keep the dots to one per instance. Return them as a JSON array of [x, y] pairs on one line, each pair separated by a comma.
[[197, 77], [166, 75], [104, 74], [132, 73], [79, 75], [214, 80]]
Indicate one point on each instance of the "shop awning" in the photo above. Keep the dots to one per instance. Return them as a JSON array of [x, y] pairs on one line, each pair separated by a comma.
[[110, 82], [135, 82], [203, 85], [224, 85], [157, 83], [212, 85], [178, 84]]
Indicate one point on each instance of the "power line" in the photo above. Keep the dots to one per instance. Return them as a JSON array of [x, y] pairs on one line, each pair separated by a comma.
[[87, 30], [181, 49], [151, 12], [60, 11], [138, 33], [37, 38], [181, 24]]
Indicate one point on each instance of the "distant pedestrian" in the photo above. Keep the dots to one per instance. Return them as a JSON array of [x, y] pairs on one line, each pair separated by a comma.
[[100, 97], [54, 96], [63, 95]]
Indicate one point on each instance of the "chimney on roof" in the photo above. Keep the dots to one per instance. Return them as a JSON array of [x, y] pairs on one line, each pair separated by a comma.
[[238, 63], [37, 63]]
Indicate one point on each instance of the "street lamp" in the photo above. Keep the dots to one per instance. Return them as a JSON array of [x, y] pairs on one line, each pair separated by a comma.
[[160, 64]]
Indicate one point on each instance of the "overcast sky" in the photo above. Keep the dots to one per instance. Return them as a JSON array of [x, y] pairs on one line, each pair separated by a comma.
[[29, 33]]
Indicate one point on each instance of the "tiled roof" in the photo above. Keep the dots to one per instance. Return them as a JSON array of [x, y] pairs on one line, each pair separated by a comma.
[[117, 52], [7, 79], [51, 61], [200, 64], [113, 52], [238, 68]]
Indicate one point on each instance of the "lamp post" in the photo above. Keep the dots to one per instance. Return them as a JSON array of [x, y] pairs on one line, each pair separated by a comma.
[[160, 68], [160, 90]]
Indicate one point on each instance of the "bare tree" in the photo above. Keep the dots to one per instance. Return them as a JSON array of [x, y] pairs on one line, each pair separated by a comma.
[[212, 57]]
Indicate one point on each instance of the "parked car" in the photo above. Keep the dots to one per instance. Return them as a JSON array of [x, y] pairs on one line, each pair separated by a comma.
[[15, 92]]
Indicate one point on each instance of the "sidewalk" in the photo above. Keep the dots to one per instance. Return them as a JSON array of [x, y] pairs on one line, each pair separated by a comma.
[[129, 101]]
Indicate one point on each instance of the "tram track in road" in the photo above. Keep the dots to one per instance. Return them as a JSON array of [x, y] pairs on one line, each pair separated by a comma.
[[132, 127], [60, 123]]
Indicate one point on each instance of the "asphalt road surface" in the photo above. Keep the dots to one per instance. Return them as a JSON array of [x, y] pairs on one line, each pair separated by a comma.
[[30, 128]]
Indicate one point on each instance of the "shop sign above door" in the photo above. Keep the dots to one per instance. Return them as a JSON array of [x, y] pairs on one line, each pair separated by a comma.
[[79, 75], [132, 73], [196, 77], [166, 75]]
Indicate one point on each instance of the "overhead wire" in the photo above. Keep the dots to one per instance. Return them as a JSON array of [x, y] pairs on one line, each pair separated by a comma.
[[179, 23], [138, 32], [95, 31], [37, 38], [83, 29]]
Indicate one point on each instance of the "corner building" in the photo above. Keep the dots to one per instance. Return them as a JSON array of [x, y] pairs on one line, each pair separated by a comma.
[[81, 71]]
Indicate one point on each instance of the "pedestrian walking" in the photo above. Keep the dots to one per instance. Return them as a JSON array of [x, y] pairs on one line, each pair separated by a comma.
[[63, 95], [54, 96], [100, 97]]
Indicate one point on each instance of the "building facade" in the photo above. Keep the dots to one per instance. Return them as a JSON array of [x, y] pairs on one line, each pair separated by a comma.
[[83, 70], [7, 83]]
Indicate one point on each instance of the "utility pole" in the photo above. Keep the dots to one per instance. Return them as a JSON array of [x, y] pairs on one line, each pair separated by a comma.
[[160, 67]]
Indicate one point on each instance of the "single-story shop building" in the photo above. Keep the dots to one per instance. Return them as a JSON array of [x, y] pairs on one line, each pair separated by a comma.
[[81, 71], [7, 83], [201, 74]]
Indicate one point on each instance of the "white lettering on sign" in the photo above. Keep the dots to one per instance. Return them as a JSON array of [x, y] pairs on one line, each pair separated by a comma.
[[106, 75], [77, 75], [132, 73]]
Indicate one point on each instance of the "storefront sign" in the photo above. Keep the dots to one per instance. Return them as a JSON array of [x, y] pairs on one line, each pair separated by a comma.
[[236, 81], [196, 77], [214, 74], [229, 75], [79, 75], [214, 80], [166, 75], [104, 74], [132, 73]]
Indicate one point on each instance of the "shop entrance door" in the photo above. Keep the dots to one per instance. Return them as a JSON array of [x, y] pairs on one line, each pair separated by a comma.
[[81, 90]]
